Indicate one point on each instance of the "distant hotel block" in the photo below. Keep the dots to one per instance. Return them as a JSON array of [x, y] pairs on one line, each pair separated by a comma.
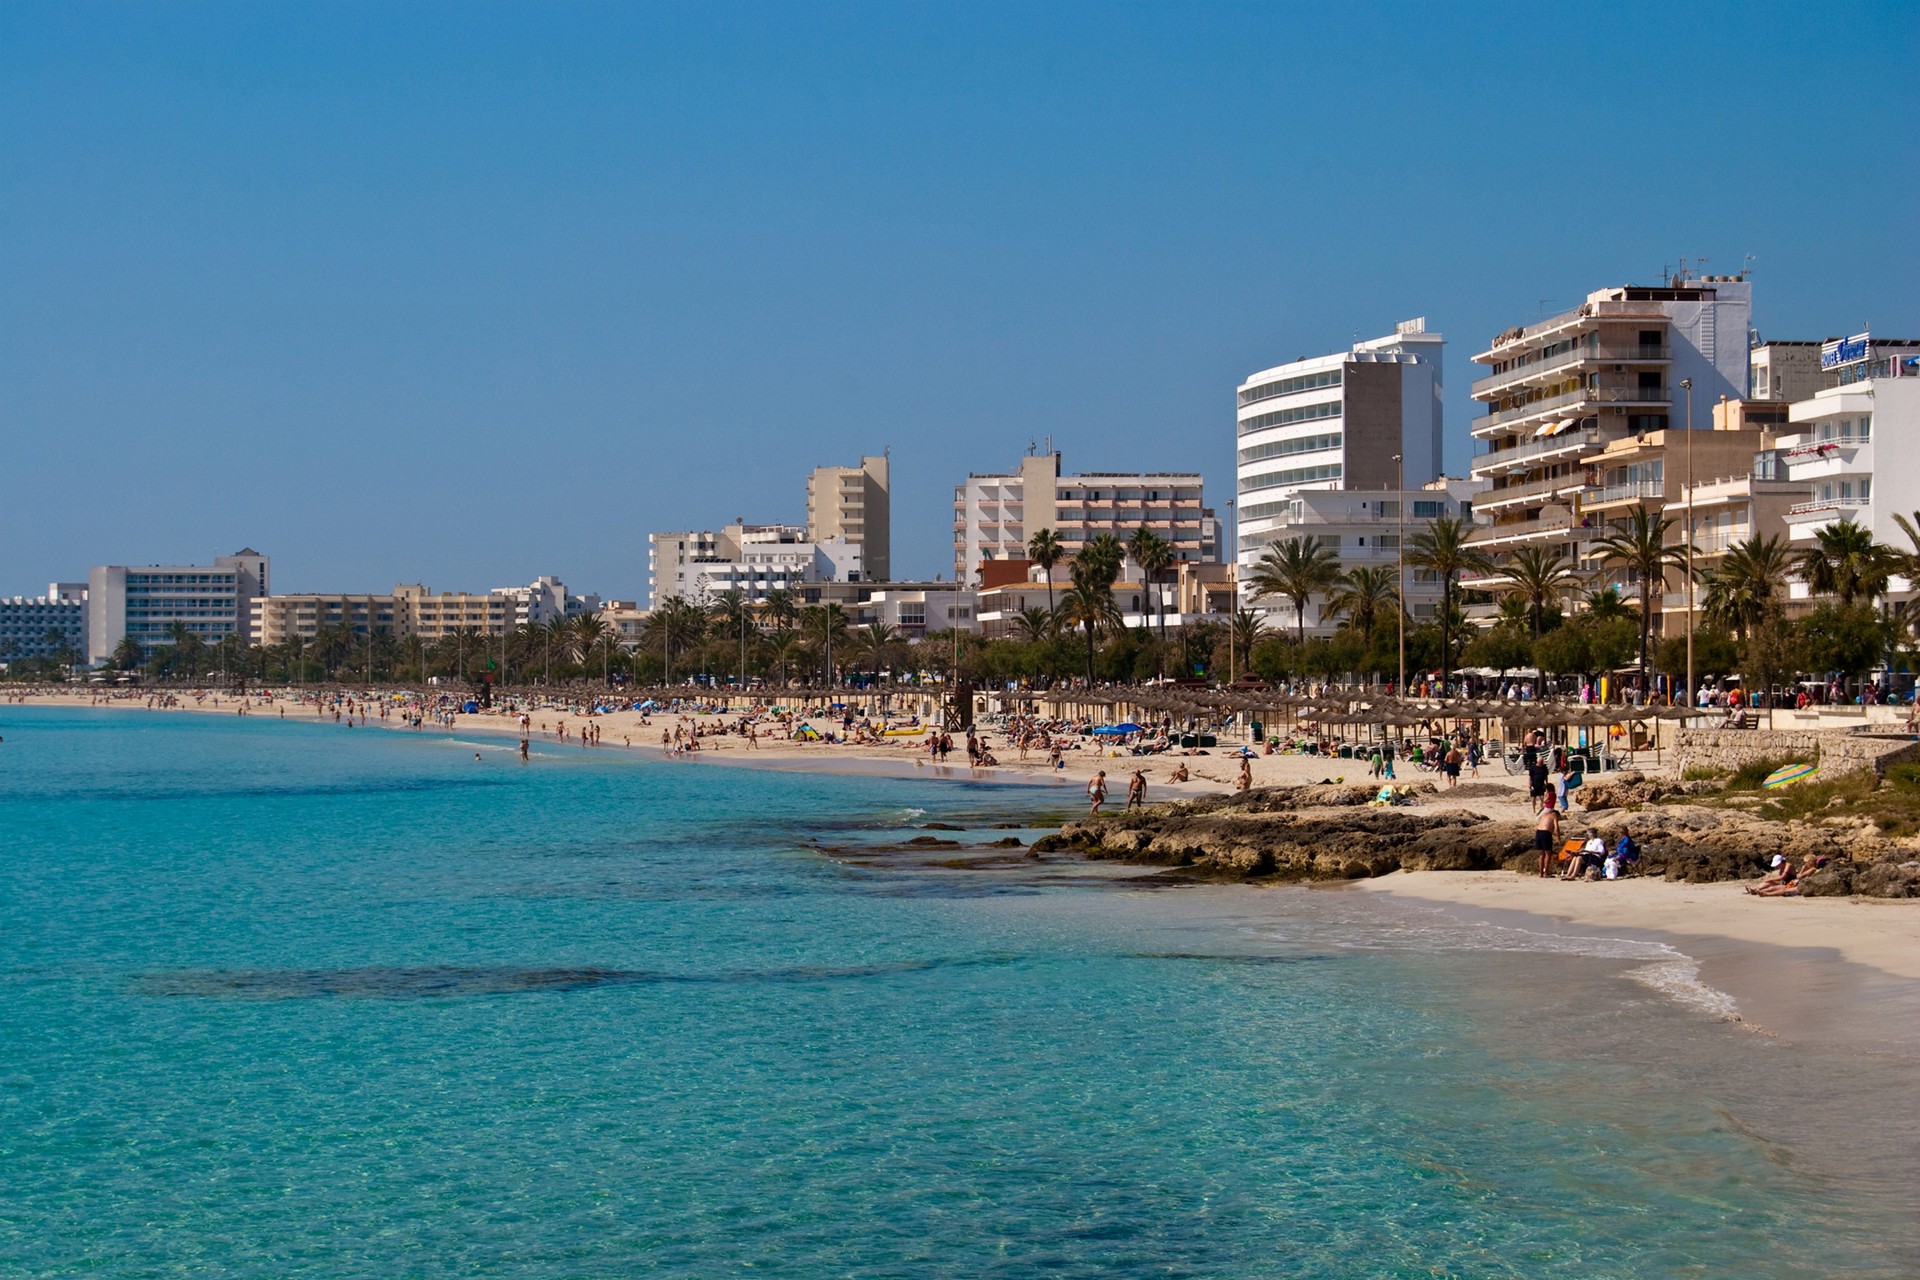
[[1559, 391], [45, 626], [994, 515], [144, 602], [854, 505]]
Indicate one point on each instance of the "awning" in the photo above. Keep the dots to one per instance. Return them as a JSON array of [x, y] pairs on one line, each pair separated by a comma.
[[1555, 428]]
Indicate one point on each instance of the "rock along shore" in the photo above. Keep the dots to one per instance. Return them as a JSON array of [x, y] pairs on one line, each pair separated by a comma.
[[1332, 832]]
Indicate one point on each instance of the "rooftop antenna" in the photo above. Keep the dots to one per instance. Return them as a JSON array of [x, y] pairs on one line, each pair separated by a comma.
[[1746, 269], [1032, 447]]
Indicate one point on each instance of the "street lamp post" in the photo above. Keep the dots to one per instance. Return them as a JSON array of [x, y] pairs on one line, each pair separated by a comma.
[[1400, 563], [1233, 614], [1687, 383]]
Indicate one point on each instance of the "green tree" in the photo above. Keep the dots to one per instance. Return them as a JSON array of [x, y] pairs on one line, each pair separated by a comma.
[[1540, 576], [1844, 639], [1296, 569], [1748, 584], [1044, 549], [127, 655], [1361, 596], [1154, 554], [1033, 625], [1845, 561], [1442, 550], [590, 630], [825, 625], [1641, 548]]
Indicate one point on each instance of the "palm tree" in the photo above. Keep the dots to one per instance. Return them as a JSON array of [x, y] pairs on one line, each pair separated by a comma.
[[1641, 548], [1540, 576], [675, 624], [1605, 602], [780, 608], [1248, 630], [1044, 549], [589, 630], [1033, 624], [825, 623], [1296, 569], [1154, 555], [732, 614], [1847, 562], [1748, 584], [875, 643], [1362, 595], [127, 654], [781, 643], [1441, 549], [1088, 604], [1103, 555]]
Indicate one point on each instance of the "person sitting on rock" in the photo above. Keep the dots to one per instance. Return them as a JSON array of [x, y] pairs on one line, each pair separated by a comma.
[[1776, 882]]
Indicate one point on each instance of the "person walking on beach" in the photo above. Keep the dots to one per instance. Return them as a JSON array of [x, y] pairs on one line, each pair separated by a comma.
[[1136, 791], [1245, 782], [1097, 792], [1546, 835]]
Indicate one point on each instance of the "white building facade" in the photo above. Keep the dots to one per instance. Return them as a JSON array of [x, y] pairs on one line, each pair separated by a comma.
[[1336, 422], [144, 602], [45, 626], [994, 515], [1841, 433], [702, 565]]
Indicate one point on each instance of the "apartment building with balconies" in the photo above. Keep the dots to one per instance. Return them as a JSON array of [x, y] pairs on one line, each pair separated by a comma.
[[1363, 529], [994, 515], [1560, 390], [1841, 433], [854, 504]]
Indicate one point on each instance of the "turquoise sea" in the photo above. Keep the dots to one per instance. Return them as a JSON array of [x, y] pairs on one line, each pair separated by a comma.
[[287, 999]]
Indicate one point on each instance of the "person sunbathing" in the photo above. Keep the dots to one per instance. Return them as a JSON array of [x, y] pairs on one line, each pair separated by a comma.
[[1777, 881]]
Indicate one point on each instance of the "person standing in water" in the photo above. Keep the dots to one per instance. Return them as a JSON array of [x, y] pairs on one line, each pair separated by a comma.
[[1097, 791]]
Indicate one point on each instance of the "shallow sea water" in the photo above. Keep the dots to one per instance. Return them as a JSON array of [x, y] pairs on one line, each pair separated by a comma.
[[286, 998]]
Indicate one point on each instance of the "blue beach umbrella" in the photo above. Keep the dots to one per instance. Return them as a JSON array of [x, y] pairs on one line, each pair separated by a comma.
[[1117, 730]]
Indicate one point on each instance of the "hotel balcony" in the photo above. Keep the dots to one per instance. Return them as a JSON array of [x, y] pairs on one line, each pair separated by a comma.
[[1569, 404], [1520, 375], [1623, 495], [1524, 457], [1515, 534], [1829, 459], [1804, 519], [1532, 493]]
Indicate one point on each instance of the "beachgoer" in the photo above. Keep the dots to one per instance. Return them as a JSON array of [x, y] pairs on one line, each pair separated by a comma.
[[1180, 774], [1097, 791], [1546, 835], [1245, 781], [1136, 791]]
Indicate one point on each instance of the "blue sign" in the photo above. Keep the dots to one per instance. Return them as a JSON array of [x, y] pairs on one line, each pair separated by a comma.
[[1846, 351]]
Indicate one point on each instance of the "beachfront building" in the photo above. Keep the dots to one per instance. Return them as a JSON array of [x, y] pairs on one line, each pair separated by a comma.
[[627, 619], [1558, 391], [1363, 528], [913, 609], [545, 600], [995, 514], [433, 616], [1191, 591], [853, 505], [277, 620], [144, 602], [756, 559], [48, 626], [1840, 434]]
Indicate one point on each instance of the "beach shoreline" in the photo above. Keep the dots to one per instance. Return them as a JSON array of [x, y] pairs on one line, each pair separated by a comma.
[[1826, 967]]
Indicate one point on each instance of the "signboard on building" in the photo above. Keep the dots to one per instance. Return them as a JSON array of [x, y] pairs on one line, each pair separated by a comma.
[[1845, 351]]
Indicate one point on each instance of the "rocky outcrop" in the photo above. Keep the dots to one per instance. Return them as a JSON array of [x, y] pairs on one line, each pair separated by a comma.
[[1625, 790], [1330, 833]]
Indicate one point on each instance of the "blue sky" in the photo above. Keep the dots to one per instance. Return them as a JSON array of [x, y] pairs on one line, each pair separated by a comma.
[[467, 293]]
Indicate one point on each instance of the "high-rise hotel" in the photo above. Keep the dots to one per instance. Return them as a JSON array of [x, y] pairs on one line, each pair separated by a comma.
[[1336, 422]]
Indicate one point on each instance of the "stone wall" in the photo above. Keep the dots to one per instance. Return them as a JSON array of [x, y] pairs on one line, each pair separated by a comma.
[[1837, 751]]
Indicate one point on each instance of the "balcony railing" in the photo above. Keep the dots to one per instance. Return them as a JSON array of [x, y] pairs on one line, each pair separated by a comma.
[[1531, 491], [1501, 459], [1624, 492], [1567, 528], [1630, 354], [1825, 504], [1583, 395]]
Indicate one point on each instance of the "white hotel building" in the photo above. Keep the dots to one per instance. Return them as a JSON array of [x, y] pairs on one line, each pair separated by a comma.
[[1874, 410], [144, 601], [1336, 422]]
